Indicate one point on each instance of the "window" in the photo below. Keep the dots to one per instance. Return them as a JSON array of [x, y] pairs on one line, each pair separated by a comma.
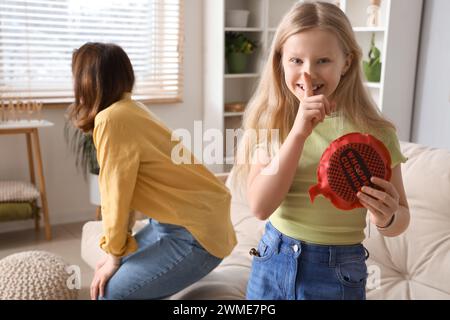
[[37, 38]]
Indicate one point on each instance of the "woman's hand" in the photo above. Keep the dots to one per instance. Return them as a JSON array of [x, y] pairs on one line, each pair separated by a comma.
[[382, 205], [104, 270], [312, 109]]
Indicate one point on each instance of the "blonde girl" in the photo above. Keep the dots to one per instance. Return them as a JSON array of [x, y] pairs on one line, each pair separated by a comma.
[[312, 91]]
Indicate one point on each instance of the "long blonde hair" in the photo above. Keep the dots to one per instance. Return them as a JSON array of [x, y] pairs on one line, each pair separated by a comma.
[[274, 106]]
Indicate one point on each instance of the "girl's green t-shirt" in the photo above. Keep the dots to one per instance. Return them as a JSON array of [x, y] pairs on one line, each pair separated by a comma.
[[320, 222]]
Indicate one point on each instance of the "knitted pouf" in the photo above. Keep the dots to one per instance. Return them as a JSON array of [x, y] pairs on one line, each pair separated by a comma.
[[35, 275]]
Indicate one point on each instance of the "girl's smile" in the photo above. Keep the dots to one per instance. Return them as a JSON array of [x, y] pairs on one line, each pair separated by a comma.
[[316, 87]]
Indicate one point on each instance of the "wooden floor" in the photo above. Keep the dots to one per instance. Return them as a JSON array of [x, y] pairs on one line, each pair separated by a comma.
[[66, 243]]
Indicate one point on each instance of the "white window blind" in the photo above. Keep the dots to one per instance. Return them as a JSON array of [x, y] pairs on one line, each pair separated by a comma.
[[37, 38]]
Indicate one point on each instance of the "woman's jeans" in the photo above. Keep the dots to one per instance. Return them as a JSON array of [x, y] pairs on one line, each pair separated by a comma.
[[168, 260], [289, 269]]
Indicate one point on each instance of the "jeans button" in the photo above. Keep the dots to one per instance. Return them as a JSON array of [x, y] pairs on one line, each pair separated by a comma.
[[295, 247]]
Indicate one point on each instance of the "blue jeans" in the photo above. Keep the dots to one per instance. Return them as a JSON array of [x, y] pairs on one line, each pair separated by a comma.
[[288, 269], [168, 260]]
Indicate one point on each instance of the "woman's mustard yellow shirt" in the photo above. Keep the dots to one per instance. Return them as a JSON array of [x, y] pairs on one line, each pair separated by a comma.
[[136, 172]]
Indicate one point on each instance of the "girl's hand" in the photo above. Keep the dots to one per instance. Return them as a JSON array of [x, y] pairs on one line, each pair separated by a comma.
[[104, 270], [312, 109], [381, 204]]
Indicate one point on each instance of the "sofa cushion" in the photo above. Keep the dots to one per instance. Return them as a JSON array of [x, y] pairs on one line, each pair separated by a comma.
[[416, 264]]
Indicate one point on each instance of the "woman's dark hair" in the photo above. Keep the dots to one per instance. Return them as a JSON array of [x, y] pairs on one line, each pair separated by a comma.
[[102, 73]]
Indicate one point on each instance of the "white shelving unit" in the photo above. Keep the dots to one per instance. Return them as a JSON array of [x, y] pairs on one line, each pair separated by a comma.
[[221, 87], [397, 37]]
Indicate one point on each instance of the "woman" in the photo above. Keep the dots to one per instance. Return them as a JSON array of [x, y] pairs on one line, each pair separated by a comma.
[[190, 230]]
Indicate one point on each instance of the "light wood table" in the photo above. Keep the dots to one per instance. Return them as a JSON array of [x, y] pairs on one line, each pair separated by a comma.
[[30, 129]]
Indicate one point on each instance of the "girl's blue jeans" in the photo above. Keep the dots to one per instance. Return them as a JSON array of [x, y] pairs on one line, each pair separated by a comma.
[[288, 269], [168, 260]]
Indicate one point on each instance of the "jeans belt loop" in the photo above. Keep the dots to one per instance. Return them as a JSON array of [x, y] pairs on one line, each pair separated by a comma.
[[332, 257]]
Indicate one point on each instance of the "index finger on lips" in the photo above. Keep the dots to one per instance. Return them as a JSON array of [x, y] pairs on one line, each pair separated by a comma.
[[308, 85]]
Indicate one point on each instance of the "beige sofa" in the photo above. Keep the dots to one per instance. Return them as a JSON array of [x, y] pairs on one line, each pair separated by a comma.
[[415, 265]]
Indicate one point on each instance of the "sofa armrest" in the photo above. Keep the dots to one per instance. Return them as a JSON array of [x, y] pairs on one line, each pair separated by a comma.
[[90, 239]]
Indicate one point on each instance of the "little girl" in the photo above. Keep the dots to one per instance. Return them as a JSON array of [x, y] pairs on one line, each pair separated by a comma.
[[312, 92], [190, 229]]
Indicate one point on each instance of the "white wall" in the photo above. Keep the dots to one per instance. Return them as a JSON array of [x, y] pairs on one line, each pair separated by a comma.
[[431, 121], [68, 194]]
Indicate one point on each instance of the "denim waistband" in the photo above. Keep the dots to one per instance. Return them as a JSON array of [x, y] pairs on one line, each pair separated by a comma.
[[329, 254], [173, 229]]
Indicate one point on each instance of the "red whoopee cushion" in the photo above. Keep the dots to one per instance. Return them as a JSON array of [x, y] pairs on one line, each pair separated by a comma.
[[347, 165]]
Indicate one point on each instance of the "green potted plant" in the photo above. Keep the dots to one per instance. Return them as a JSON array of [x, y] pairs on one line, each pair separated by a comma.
[[237, 49], [372, 68], [82, 145]]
